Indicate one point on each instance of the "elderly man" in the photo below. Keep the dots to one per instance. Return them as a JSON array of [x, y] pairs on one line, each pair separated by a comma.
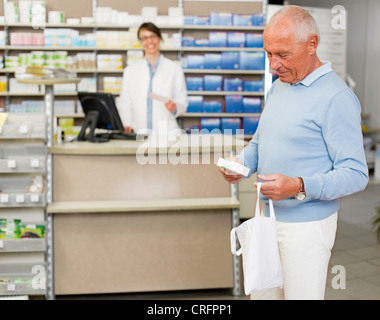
[[307, 151]]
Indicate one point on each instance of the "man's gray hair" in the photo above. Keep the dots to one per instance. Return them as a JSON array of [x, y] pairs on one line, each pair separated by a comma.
[[304, 23]]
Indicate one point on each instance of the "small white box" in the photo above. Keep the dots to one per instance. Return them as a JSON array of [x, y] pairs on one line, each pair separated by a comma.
[[23, 129], [233, 166], [4, 198], [20, 198], [12, 164], [34, 197], [35, 163]]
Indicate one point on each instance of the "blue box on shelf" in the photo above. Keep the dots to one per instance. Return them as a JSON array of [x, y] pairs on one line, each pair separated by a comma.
[[210, 124], [252, 60], [235, 84], [254, 85], [230, 125], [234, 104], [258, 19], [217, 39], [201, 20], [213, 61], [212, 106], [188, 41], [230, 60], [242, 20], [195, 104], [254, 40], [250, 125], [200, 42], [236, 39], [195, 61], [194, 83], [251, 105], [221, 18], [213, 83]]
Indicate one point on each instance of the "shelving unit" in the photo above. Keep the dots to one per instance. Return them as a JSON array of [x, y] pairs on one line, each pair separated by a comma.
[[23, 156], [174, 52]]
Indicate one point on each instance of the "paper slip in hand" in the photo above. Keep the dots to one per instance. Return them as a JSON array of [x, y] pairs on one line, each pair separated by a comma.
[[233, 166], [158, 97], [163, 99]]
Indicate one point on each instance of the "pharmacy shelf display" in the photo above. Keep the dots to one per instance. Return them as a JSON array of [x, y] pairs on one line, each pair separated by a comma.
[[23, 155], [96, 79]]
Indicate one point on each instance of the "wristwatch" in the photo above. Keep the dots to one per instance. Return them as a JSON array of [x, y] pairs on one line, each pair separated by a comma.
[[301, 194]]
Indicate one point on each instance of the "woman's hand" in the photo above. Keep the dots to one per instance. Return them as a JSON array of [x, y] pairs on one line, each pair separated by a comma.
[[171, 106], [128, 129]]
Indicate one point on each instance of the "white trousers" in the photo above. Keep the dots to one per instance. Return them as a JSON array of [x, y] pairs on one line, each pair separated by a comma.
[[305, 250]]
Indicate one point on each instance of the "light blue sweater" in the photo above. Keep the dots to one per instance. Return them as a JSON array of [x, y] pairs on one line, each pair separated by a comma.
[[312, 130]]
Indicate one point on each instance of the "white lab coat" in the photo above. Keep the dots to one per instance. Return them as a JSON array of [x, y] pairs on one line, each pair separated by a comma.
[[168, 81]]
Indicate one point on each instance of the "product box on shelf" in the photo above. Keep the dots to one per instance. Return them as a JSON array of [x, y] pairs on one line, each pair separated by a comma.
[[221, 18], [230, 125], [217, 39], [213, 83], [254, 85], [234, 104], [212, 61], [195, 61], [210, 124], [254, 40], [251, 105], [258, 19], [188, 41], [201, 42], [212, 106], [242, 20], [230, 60], [236, 39], [194, 83], [201, 20], [252, 60], [250, 124], [235, 84], [195, 104]]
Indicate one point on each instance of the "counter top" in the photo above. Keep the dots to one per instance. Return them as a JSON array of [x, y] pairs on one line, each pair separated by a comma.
[[180, 144]]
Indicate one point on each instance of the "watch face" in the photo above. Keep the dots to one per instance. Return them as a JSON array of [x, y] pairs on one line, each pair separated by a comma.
[[300, 196]]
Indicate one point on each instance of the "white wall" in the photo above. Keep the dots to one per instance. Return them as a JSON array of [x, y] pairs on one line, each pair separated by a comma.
[[363, 50]]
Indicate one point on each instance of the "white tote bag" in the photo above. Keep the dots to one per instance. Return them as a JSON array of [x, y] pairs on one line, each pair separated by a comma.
[[258, 244]]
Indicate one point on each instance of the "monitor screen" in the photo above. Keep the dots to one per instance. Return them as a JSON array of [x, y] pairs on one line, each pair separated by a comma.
[[101, 113], [104, 104]]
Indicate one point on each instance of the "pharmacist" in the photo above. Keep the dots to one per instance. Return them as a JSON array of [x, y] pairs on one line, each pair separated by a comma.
[[153, 74]]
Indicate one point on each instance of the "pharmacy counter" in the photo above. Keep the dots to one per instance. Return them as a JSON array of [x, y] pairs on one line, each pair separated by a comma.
[[139, 216]]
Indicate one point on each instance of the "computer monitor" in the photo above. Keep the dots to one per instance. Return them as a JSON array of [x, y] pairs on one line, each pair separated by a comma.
[[101, 113]]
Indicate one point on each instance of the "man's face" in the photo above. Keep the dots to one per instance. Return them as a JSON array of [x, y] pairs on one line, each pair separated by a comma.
[[290, 59]]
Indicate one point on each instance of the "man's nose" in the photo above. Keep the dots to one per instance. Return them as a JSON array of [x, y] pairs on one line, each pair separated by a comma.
[[274, 63]]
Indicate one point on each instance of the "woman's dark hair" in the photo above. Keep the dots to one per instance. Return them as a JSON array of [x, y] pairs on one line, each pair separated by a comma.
[[150, 27]]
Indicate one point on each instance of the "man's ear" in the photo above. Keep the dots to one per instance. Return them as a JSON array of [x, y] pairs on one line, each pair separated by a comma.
[[313, 44]]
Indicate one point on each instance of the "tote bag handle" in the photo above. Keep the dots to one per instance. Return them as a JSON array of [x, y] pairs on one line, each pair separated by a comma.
[[271, 209]]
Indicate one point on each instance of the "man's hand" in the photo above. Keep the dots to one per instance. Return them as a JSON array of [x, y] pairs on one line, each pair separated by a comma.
[[279, 187], [230, 176], [171, 106]]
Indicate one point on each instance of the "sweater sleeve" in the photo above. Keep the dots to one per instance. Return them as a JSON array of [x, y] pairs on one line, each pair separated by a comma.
[[249, 155], [125, 104], [341, 131]]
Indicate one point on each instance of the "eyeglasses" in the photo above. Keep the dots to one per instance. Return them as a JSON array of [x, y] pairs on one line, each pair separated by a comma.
[[152, 37]]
